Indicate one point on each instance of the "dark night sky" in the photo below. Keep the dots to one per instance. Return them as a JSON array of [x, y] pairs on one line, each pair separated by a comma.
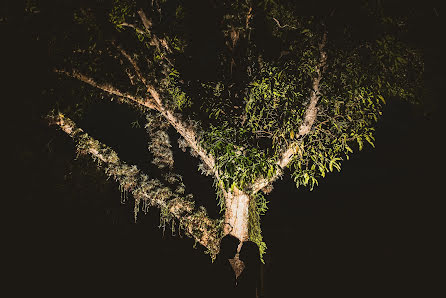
[[373, 228]]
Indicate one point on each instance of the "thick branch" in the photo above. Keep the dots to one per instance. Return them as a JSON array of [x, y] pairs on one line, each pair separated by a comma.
[[308, 120], [152, 192]]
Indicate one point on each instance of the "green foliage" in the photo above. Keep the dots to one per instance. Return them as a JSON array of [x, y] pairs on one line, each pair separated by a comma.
[[177, 95], [121, 11], [238, 164], [343, 124], [257, 207], [275, 104]]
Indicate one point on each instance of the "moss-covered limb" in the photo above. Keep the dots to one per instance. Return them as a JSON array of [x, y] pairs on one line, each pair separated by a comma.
[[146, 192]]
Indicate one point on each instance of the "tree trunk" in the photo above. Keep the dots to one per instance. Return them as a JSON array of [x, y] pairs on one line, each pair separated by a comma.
[[236, 223], [236, 214]]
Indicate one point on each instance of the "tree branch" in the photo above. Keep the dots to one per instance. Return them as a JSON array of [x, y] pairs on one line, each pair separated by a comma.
[[194, 222], [133, 63], [145, 21], [132, 26], [308, 120], [155, 40], [107, 88], [283, 26]]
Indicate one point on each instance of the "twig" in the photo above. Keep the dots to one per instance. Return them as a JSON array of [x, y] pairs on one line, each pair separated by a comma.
[[280, 26], [133, 63], [133, 27]]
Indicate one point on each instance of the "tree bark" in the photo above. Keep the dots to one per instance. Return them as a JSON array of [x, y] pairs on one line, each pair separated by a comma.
[[236, 214], [237, 223]]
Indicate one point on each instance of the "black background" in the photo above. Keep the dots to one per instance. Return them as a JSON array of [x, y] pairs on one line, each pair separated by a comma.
[[372, 229]]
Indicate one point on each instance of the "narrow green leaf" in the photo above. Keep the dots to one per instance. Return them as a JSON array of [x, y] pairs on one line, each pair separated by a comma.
[[381, 98]]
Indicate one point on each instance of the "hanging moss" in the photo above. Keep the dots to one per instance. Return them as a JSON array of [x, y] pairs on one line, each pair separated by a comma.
[[175, 209], [257, 207]]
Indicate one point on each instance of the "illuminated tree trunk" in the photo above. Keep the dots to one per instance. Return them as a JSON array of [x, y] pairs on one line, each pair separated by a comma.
[[237, 223], [236, 214]]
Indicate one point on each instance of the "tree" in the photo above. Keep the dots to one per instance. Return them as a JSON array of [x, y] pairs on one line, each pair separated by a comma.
[[274, 92]]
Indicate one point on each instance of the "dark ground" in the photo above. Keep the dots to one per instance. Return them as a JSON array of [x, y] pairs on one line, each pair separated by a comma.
[[371, 230]]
